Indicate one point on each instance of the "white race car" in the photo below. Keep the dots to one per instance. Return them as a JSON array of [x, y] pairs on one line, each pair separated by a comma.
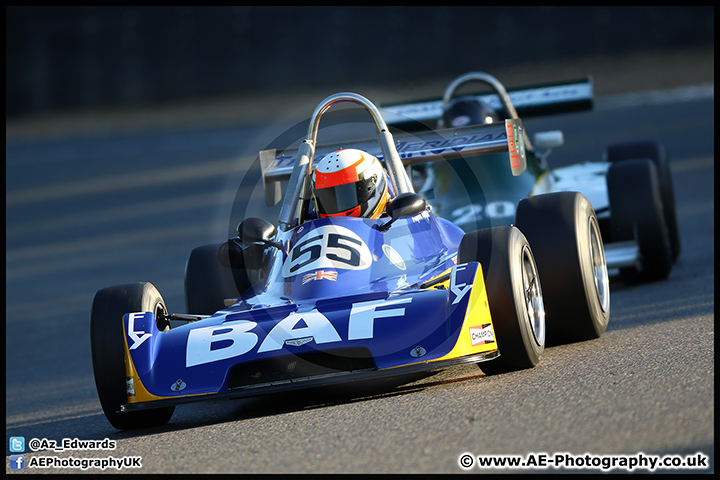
[[630, 189]]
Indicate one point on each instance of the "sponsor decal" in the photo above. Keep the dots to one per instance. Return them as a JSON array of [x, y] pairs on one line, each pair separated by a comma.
[[138, 337], [418, 352], [458, 289], [178, 386], [300, 325], [420, 217], [211, 344], [520, 143], [481, 334], [130, 386], [320, 275], [410, 149], [512, 136], [238, 337], [296, 342], [516, 145], [393, 256], [436, 147]]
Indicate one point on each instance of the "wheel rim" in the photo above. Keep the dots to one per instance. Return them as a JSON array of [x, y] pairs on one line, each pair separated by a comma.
[[533, 297], [161, 317], [600, 273]]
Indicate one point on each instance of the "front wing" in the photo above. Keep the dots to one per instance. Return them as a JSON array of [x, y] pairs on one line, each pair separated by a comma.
[[445, 322]]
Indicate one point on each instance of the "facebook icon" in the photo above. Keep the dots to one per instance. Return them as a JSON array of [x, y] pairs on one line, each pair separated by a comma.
[[17, 462]]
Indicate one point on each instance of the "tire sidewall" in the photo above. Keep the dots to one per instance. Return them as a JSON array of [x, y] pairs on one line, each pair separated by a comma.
[[499, 251], [585, 221], [517, 247]]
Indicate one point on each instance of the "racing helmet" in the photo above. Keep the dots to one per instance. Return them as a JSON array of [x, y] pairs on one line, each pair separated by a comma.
[[349, 183], [468, 110]]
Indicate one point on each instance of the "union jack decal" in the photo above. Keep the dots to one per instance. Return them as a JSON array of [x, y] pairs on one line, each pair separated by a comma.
[[320, 275]]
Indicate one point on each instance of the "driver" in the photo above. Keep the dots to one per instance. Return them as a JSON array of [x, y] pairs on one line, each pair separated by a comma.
[[350, 183], [429, 179], [468, 110]]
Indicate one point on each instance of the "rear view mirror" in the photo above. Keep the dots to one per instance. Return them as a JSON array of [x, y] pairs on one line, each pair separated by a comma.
[[547, 140], [257, 230], [404, 205]]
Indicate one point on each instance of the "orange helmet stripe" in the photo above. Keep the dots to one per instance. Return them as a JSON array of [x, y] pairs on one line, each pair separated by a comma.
[[341, 177]]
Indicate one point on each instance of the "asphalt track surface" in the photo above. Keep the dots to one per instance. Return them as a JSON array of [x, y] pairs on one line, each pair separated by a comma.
[[87, 212]]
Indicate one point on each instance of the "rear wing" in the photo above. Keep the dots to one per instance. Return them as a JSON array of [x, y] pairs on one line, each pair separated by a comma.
[[426, 146], [545, 99]]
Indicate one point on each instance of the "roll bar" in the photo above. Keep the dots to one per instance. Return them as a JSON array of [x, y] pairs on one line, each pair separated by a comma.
[[298, 192], [495, 84]]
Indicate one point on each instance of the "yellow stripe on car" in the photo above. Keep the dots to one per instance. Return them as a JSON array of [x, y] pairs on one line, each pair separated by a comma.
[[477, 317]]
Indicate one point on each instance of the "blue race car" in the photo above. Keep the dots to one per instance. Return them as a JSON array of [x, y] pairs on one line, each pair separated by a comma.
[[319, 300]]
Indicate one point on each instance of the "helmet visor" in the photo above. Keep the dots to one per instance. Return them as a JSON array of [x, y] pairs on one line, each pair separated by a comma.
[[340, 198]]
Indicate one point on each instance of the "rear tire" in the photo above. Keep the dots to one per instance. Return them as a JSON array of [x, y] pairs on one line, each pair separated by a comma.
[[514, 295], [108, 351], [563, 231], [208, 283], [636, 213], [657, 154]]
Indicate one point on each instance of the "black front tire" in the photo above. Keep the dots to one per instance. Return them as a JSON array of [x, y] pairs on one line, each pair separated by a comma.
[[108, 351], [563, 231], [514, 295]]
